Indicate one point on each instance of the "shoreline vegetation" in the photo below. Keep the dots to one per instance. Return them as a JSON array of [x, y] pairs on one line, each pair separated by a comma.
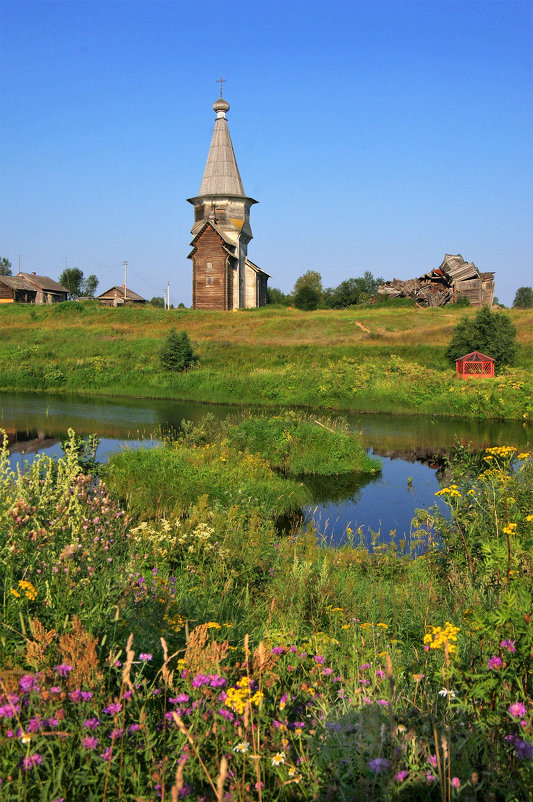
[[164, 643], [367, 359]]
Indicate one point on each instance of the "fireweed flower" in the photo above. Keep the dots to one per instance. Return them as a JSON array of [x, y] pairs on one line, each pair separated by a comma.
[[517, 710], [90, 742], [91, 723], [29, 683], [277, 650], [63, 669], [145, 657], [495, 662], [378, 764], [113, 708], [30, 761], [509, 645], [318, 658], [456, 782], [401, 776]]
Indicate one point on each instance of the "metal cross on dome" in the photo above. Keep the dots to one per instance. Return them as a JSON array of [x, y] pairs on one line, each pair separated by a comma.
[[221, 81]]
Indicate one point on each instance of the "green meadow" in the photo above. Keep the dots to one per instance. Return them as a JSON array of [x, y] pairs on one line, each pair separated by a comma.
[[366, 358]]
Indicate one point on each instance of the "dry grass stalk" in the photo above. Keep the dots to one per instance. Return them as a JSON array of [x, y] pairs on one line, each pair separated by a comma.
[[202, 654], [36, 649], [184, 731], [130, 654], [78, 649], [178, 785], [222, 772]]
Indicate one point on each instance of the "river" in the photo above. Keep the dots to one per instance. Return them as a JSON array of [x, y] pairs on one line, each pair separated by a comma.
[[409, 448]]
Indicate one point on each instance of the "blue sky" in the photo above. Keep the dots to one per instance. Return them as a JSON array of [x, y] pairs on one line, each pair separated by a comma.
[[375, 135]]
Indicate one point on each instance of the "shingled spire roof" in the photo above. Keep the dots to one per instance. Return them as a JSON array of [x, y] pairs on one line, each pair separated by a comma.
[[221, 174]]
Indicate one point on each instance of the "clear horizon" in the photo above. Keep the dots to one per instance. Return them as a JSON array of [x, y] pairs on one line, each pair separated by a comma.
[[375, 135]]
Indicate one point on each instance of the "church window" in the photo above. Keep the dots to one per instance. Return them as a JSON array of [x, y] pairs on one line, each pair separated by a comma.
[[210, 267], [209, 279]]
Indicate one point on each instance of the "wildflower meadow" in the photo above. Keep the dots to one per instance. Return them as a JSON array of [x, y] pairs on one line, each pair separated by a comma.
[[198, 653]]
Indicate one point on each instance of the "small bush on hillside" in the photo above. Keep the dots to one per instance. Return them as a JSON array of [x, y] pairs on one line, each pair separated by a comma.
[[306, 298], [462, 300], [177, 353], [492, 333], [523, 298]]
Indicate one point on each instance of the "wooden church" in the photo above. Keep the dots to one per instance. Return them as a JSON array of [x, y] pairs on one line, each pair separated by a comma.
[[222, 275]]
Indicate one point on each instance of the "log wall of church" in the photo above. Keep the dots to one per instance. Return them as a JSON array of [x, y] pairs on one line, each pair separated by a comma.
[[212, 286]]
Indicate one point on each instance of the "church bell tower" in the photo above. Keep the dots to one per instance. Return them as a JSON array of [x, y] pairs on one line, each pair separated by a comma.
[[223, 277]]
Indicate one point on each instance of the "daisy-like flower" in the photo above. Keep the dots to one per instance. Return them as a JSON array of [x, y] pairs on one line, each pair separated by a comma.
[[278, 759], [242, 747], [445, 692]]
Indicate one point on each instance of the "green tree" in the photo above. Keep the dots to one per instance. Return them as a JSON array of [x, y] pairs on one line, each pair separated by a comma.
[[352, 291], [275, 296], [5, 266], [492, 333], [177, 353], [89, 285], [73, 279], [306, 298], [523, 298], [310, 279], [158, 301]]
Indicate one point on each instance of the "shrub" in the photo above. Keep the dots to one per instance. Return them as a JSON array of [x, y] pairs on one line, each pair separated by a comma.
[[492, 333], [177, 353], [306, 298], [523, 298]]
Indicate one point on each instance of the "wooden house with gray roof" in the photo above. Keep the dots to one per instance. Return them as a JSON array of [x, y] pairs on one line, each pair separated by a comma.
[[222, 276], [29, 288]]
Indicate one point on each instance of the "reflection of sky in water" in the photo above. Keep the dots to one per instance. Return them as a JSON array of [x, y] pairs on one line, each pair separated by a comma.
[[384, 504]]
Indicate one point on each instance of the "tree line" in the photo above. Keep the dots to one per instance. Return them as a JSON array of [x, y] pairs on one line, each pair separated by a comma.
[[309, 294]]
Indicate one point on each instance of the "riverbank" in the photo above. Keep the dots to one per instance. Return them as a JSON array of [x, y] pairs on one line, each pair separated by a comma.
[[365, 359]]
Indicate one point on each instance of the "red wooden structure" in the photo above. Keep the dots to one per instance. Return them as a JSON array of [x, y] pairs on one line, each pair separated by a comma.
[[474, 366]]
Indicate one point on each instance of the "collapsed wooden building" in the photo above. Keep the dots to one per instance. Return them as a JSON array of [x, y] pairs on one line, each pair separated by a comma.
[[454, 279]]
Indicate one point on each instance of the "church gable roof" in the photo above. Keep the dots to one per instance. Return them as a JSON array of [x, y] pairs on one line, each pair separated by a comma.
[[221, 174], [256, 269], [227, 244]]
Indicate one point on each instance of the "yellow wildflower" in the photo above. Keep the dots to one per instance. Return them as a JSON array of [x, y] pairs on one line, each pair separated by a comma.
[[440, 637], [510, 529]]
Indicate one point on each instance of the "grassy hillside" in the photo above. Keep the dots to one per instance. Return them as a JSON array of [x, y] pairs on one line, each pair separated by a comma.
[[367, 359]]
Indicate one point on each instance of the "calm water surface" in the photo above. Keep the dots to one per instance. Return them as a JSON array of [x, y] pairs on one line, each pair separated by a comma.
[[409, 449]]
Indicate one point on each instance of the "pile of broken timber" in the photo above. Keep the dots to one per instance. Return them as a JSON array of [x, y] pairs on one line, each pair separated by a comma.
[[454, 279]]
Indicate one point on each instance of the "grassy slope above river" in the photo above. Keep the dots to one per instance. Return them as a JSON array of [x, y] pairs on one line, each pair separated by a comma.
[[367, 359]]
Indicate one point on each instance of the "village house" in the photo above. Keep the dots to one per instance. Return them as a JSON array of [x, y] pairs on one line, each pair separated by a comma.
[[28, 288], [119, 296], [222, 276]]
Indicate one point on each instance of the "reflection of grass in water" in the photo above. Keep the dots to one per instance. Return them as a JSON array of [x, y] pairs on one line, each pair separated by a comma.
[[336, 488], [360, 536]]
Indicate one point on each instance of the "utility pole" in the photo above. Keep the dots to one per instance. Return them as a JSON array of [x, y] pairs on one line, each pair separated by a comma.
[[125, 277], [168, 294]]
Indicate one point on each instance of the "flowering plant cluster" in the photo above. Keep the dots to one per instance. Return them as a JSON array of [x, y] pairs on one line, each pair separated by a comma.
[[261, 666]]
